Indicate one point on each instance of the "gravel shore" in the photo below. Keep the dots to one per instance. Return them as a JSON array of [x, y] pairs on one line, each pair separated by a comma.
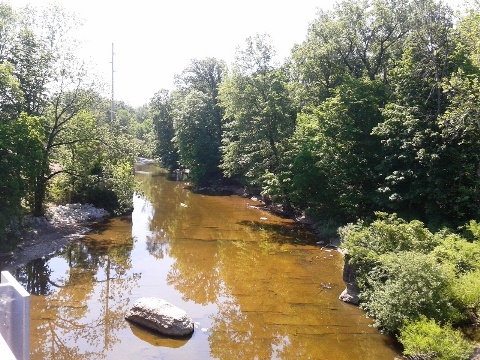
[[44, 235]]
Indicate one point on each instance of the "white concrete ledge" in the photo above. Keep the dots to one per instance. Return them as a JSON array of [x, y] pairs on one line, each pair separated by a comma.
[[14, 317], [5, 350]]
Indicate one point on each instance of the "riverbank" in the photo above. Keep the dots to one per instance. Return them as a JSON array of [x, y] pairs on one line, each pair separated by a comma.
[[42, 236], [326, 232]]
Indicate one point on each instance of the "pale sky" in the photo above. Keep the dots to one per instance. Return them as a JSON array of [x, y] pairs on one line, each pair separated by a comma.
[[155, 39]]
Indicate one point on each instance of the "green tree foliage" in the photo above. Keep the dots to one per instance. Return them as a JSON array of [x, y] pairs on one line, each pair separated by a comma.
[[259, 119], [52, 84], [428, 172], [411, 159], [143, 131], [375, 111], [197, 120], [426, 59], [49, 120], [355, 39], [7, 24], [427, 163], [197, 137], [332, 146], [10, 94], [98, 167], [161, 109], [21, 159]]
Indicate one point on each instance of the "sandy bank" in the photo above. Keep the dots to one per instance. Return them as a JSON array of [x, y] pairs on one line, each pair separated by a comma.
[[43, 236]]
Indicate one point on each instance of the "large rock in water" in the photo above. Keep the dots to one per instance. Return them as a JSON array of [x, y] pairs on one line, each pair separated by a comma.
[[160, 316], [352, 292]]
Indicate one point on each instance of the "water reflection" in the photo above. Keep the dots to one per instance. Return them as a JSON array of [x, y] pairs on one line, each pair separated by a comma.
[[87, 301], [155, 339], [255, 284], [35, 277], [196, 272]]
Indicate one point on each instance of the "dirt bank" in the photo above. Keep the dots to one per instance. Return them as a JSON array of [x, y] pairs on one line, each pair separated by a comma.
[[42, 236]]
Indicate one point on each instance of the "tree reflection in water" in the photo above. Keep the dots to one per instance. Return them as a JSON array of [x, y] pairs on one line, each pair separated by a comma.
[[253, 285], [78, 314], [35, 277]]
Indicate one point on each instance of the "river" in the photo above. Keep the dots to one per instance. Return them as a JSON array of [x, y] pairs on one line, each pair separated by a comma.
[[256, 285]]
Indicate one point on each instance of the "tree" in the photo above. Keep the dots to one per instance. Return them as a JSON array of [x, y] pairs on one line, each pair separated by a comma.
[[334, 155], [161, 109], [459, 124], [428, 171], [196, 139], [21, 157], [45, 88], [7, 25], [355, 39], [10, 94], [33, 63], [54, 85], [259, 119], [143, 131], [198, 120], [426, 60]]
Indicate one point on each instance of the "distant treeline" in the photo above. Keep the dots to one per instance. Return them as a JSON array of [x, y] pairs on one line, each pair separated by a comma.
[[377, 110]]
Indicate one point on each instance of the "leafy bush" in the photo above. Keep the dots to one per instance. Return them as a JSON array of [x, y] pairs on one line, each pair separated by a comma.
[[474, 228], [462, 255], [101, 198], [406, 285], [466, 292], [365, 243], [388, 233], [425, 339]]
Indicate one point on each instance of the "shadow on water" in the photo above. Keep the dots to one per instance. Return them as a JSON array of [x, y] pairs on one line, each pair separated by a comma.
[[102, 226], [295, 234], [157, 340]]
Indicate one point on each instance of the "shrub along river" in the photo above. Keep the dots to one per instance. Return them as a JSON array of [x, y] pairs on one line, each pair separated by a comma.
[[256, 285]]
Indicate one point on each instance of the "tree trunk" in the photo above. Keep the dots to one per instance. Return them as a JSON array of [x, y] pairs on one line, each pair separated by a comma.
[[40, 190], [287, 204]]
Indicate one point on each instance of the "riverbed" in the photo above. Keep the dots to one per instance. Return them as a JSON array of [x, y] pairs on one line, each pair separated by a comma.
[[256, 285]]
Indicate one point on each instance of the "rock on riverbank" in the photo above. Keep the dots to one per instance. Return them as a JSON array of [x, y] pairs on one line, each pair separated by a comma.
[[75, 214]]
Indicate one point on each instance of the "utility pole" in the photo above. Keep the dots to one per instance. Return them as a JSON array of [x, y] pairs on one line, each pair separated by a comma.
[[112, 116]]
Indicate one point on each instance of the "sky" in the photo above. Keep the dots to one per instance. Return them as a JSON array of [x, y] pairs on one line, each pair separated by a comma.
[[154, 40]]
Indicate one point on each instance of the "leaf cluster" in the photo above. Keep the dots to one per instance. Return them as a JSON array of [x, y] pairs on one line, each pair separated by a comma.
[[414, 281]]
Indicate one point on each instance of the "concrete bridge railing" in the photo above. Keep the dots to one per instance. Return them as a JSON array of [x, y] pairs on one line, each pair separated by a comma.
[[14, 319]]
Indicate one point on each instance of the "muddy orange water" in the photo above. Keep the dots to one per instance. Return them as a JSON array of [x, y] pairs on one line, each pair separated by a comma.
[[256, 286]]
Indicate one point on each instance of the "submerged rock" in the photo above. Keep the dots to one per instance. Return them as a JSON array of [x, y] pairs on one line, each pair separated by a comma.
[[160, 316]]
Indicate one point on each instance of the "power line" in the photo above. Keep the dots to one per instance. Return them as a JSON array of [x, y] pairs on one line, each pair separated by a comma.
[[112, 112]]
